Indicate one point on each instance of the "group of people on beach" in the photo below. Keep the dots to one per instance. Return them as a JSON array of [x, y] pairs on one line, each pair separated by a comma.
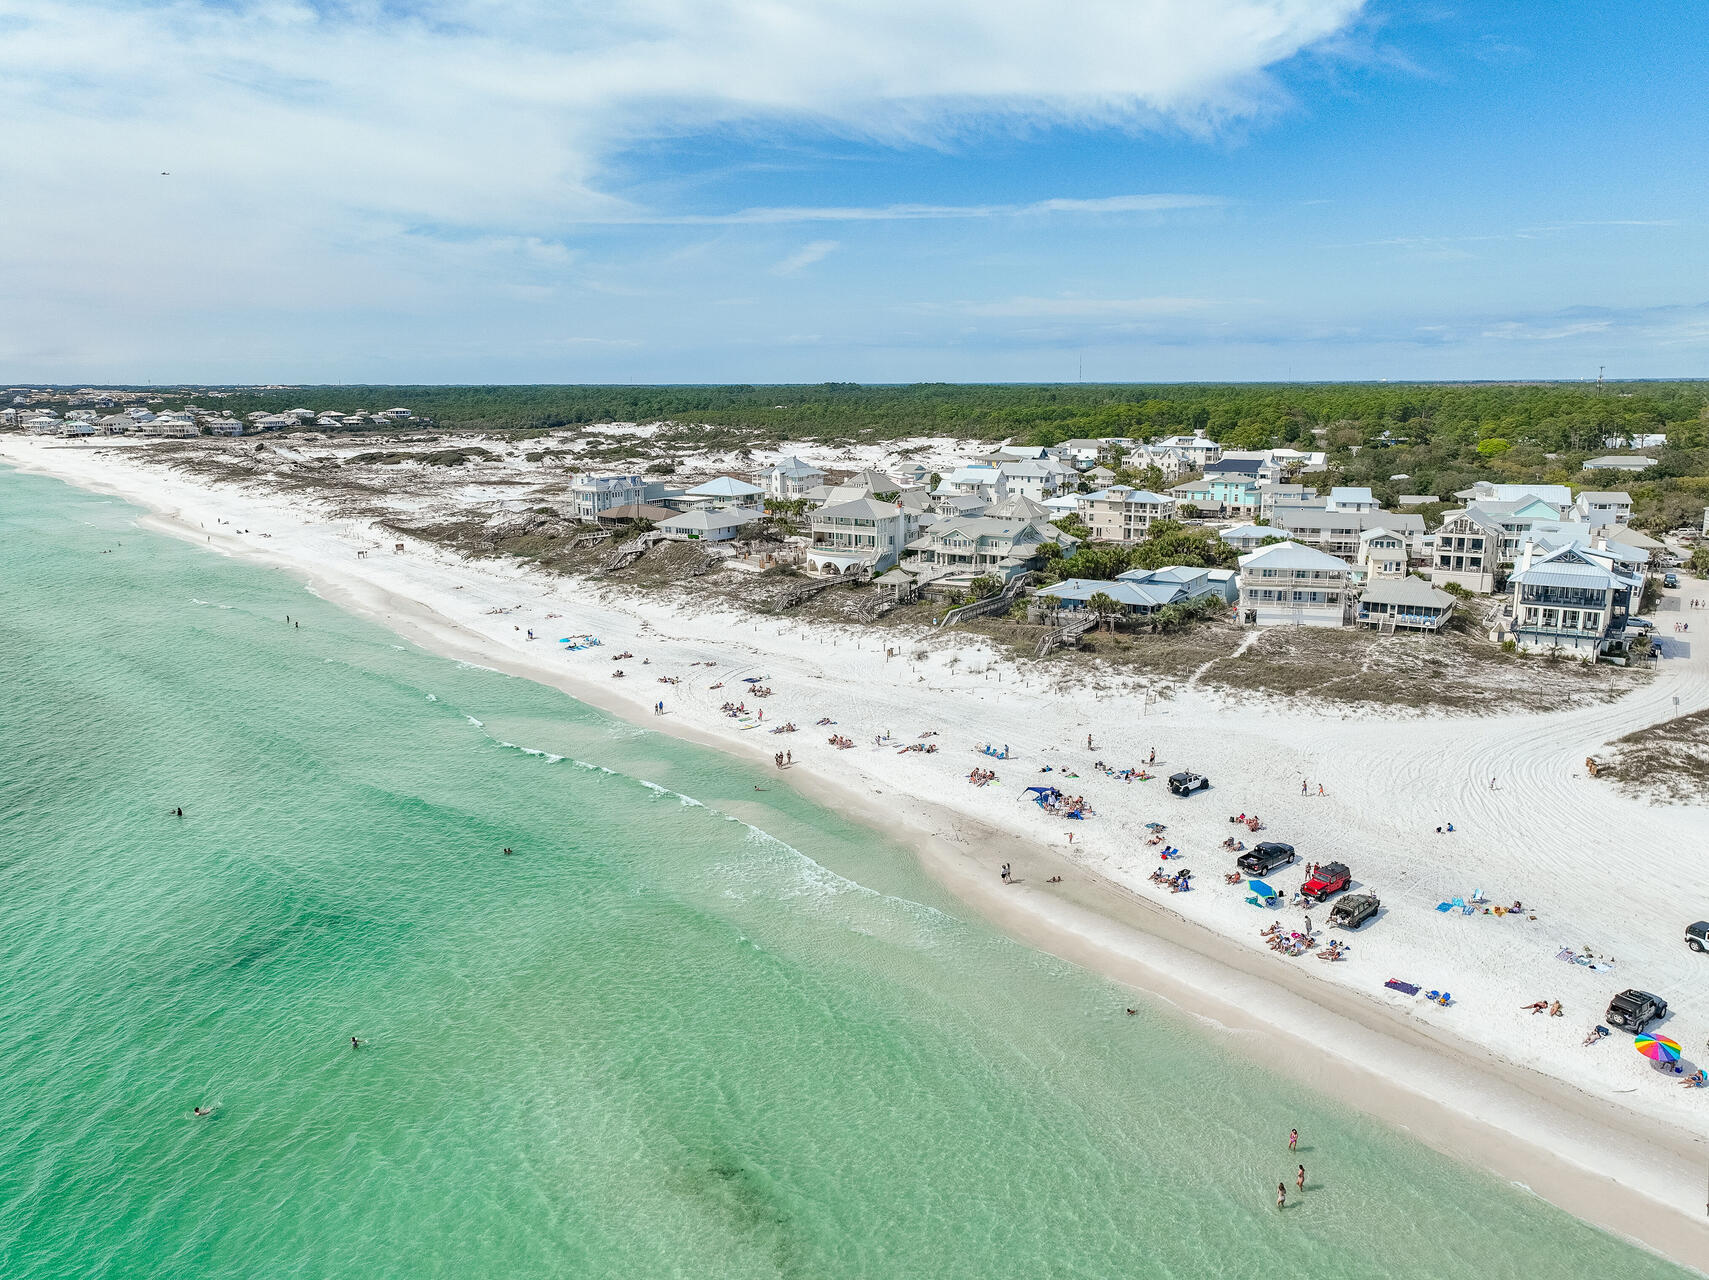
[[982, 777]]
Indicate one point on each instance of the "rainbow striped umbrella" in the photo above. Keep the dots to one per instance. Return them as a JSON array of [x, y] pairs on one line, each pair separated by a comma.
[[1656, 1048]]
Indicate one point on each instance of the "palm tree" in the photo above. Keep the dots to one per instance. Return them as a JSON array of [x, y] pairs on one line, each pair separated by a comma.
[[1105, 606]]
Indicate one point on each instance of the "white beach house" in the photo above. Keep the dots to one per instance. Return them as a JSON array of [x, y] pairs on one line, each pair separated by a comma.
[[723, 491], [862, 534], [708, 524], [792, 478], [592, 494], [1290, 584], [1572, 600]]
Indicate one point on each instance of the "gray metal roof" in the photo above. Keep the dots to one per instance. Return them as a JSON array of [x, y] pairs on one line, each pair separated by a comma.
[[1409, 591]]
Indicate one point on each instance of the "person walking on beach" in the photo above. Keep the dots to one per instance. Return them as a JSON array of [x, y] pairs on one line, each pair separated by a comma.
[[1153, 757], [1299, 1180], [1320, 788], [1088, 742], [1303, 787], [1281, 1195], [1293, 1139], [788, 757]]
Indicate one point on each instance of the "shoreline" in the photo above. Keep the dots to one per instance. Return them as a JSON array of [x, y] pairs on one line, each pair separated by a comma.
[[1600, 1161]]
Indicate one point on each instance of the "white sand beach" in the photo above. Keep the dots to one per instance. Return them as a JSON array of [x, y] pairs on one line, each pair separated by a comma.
[[1598, 1129]]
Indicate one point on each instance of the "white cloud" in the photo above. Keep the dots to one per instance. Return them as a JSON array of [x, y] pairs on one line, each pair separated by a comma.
[[805, 256], [1074, 306], [370, 152], [1159, 203]]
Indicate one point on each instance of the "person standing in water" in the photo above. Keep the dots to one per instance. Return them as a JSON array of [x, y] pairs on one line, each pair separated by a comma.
[[1299, 1179], [1281, 1195], [355, 1043], [1293, 1139]]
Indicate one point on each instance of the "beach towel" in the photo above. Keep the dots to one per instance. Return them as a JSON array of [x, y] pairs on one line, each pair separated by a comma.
[[1406, 988], [1444, 906]]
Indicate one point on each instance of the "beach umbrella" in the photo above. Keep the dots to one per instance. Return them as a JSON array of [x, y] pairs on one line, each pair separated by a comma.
[[1657, 1048], [1261, 889]]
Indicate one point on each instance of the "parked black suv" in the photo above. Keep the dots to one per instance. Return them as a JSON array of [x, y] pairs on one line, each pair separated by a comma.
[[1633, 1010], [1184, 784], [1262, 859]]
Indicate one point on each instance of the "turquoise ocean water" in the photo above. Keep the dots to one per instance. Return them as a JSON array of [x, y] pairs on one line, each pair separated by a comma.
[[676, 1034]]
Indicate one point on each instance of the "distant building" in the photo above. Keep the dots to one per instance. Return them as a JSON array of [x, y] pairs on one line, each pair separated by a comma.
[[791, 479], [1121, 514], [1619, 462], [1603, 507]]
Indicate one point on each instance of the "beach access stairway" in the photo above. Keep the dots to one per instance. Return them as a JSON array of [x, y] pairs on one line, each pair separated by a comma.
[[998, 603], [1067, 633], [807, 590], [628, 553]]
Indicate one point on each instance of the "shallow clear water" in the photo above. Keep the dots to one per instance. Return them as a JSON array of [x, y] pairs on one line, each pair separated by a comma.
[[657, 1041]]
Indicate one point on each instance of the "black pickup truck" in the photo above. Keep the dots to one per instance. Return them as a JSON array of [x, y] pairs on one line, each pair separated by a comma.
[[1262, 859]]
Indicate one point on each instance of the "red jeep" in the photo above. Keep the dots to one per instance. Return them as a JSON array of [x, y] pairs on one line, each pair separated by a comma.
[[1331, 877]]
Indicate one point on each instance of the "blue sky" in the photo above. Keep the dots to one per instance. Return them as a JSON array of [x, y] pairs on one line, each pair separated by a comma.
[[869, 190]]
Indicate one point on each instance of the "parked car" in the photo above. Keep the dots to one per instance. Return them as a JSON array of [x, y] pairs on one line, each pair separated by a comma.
[[1634, 1010], [1697, 936], [1263, 858], [1670, 579], [1639, 624], [1330, 878], [1353, 910], [1184, 784]]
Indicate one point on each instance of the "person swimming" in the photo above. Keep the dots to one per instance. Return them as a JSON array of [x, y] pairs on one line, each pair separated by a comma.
[[203, 1112]]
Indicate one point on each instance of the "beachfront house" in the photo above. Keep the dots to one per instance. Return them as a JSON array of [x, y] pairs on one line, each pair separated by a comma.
[[955, 551], [1601, 507], [1137, 594], [708, 523], [1189, 580], [723, 491], [1407, 602], [1290, 584], [861, 535], [1122, 514], [792, 478], [1572, 600], [591, 494]]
